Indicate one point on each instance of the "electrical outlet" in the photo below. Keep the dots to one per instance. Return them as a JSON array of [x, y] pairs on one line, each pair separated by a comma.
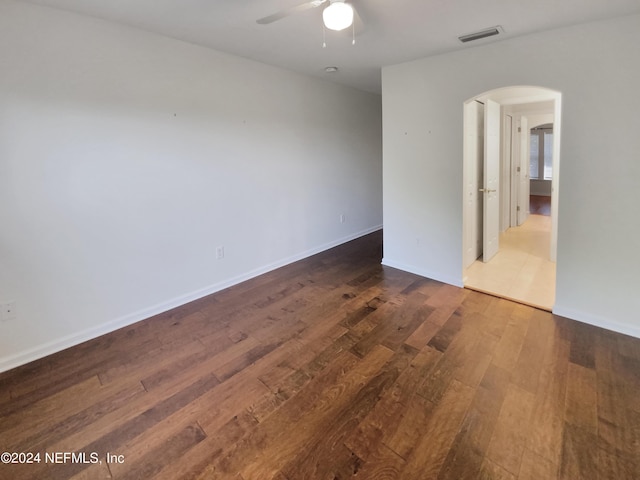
[[8, 311], [219, 253]]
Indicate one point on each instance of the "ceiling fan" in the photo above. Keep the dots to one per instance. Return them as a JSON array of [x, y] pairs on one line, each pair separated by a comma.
[[338, 15]]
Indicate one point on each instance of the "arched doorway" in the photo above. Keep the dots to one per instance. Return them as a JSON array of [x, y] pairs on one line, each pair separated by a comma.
[[496, 191]]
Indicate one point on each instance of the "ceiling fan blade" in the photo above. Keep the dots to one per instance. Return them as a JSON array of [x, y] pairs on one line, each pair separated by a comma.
[[290, 11]]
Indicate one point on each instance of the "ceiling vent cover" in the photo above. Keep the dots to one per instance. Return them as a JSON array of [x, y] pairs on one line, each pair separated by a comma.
[[487, 32]]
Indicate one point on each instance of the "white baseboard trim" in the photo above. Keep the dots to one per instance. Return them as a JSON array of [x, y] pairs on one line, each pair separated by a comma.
[[597, 321], [59, 344], [456, 282]]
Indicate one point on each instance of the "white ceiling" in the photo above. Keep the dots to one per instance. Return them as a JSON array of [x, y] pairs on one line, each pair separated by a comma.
[[387, 31]]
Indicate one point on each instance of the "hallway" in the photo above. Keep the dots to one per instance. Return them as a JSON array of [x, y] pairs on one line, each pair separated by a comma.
[[521, 271]]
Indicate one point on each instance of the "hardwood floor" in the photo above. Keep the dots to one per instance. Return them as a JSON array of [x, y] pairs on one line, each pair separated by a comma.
[[539, 205], [521, 270], [334, 368]]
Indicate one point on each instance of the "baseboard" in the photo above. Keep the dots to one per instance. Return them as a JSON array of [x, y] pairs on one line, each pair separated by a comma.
[[596, 321], [456, 282], [68, 341]]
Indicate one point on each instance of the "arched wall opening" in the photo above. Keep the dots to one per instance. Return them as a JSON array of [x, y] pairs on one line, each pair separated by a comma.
[[496, 165]]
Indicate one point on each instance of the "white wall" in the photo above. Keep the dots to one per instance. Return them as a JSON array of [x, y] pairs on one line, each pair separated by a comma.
[[540, 187], [126, 158], [597, 69]]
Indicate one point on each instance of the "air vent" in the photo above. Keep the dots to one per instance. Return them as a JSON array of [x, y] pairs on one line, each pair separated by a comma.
[[488, 32]]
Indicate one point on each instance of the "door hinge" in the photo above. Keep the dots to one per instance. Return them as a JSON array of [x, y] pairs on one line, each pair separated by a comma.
[[518, 208], [518, 170], [519, 129]]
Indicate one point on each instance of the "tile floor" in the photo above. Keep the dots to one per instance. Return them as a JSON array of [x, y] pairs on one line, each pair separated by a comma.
[[521, 270]]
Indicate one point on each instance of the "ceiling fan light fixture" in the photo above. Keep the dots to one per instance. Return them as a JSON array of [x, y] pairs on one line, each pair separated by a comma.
[[338, 15]]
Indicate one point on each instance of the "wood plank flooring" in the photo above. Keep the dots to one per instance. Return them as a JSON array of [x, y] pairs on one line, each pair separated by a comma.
[[333, 367], [521, 270], [539, 205]]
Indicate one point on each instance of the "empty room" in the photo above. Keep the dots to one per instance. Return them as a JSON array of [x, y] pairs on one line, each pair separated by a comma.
[[236, 239]]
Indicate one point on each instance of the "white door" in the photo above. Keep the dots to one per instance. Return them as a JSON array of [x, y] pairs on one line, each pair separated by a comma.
[[491, 207], [524, 186], [474, 153]]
